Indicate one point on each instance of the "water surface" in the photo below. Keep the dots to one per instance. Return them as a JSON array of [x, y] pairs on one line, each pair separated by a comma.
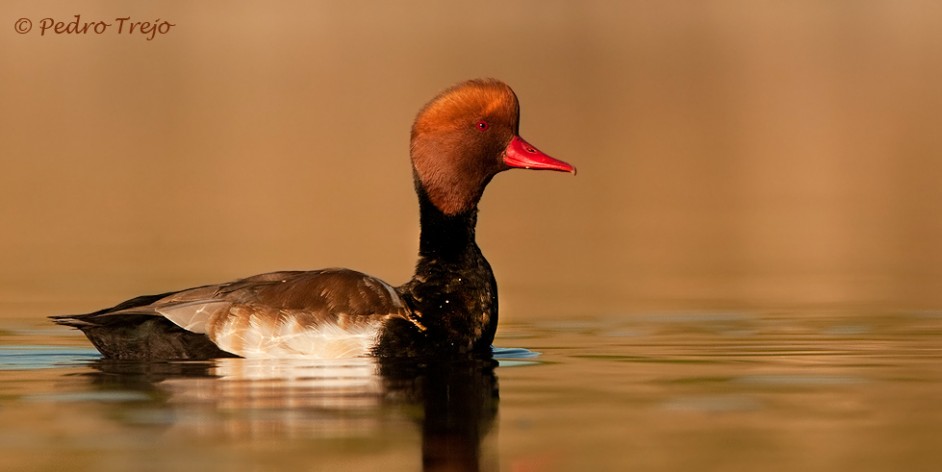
[[659, 391]]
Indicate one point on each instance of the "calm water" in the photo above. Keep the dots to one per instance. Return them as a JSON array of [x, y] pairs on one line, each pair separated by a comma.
[[660, 391]]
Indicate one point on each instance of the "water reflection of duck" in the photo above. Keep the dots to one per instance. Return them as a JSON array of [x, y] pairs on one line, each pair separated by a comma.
[[460, 140], [454, 402]]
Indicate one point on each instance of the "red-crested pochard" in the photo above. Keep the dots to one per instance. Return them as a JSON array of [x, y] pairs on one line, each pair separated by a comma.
[[460, 140]]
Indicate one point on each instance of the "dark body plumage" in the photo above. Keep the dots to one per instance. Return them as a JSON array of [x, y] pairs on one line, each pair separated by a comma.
[[460, 141], [140, 337]]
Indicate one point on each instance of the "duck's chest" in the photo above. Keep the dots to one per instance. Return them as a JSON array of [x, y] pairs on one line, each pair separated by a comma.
[[454, 310]]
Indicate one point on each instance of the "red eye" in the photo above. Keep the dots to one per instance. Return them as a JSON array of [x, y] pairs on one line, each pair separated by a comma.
[[482, 125]]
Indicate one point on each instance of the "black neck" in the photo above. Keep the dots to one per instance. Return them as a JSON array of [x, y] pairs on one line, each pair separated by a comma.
[[453, 296], [446, 238]]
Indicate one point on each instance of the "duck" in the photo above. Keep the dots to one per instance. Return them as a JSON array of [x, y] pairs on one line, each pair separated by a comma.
[[460, 140]]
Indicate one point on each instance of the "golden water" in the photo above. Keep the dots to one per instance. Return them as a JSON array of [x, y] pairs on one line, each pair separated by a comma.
[[666, 391]]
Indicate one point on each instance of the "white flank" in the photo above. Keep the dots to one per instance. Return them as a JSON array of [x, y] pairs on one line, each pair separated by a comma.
[[287, 338]]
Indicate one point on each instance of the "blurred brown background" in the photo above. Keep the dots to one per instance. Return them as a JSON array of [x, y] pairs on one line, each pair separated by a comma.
[[732, 155]]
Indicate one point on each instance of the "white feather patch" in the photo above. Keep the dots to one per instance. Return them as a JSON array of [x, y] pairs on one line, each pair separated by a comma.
[[286, 338]]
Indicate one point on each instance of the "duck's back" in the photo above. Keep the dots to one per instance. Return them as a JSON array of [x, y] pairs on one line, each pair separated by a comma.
[[327, 313]]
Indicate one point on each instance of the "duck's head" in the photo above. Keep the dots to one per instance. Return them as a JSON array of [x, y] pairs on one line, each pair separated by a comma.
[[464, 137]]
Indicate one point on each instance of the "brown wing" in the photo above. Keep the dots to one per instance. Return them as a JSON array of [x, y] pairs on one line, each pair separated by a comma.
[[323, 313]]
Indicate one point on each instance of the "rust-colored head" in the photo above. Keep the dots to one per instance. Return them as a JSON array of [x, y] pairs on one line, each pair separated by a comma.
[[465, 136]]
